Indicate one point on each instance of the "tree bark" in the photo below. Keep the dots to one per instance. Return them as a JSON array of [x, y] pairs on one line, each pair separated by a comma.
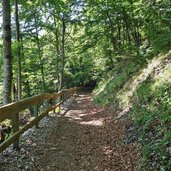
[[57, 50], [119, 32], [127, 25], [7, 55], [40, 56], [19, 85], [62, 55], [14, 92], [26, 83], [111, 25], [112, 29]]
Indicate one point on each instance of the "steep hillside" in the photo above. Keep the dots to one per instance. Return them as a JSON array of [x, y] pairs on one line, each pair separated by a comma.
[[143, 93]]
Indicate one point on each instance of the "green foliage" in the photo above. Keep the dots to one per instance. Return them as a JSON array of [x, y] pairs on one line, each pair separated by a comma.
[[151, 112], [108, 88], [157, 23], [97, 36], [109, 42], [150, 105]]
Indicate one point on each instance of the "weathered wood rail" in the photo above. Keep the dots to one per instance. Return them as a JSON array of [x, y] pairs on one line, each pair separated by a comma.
[[11, 111]]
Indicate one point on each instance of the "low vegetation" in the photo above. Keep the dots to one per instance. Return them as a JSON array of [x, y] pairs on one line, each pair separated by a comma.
[[145, 92]]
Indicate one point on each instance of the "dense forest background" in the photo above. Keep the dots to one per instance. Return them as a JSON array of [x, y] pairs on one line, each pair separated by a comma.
[[121, 46]]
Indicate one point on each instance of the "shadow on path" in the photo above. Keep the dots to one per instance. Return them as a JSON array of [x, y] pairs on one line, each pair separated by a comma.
[[85, 138]]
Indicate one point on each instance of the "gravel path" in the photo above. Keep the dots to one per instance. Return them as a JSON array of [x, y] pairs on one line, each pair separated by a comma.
[[86, 138]]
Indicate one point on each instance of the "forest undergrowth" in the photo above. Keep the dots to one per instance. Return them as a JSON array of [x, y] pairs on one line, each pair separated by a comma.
[[143, 93]]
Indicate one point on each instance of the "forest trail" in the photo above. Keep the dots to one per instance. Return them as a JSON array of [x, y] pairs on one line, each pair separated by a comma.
[[86, 138]]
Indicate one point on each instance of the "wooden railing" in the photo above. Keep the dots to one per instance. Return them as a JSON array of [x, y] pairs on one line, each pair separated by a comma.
[[11, 111]]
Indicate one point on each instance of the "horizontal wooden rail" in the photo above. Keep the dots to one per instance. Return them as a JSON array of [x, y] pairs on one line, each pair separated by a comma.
[[9, 112]]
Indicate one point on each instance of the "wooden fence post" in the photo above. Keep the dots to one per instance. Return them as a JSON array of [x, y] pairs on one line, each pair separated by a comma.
[[36, 115], [65, 96], [11, 111], [15, 125], [48, 103], [54, 103], [59, 107], [31, 109]]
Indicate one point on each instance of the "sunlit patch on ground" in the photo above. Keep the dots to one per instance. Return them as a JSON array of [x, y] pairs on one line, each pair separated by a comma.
[[75, 114], [107, 151], [90, 116], [83, 138], [93, 122]]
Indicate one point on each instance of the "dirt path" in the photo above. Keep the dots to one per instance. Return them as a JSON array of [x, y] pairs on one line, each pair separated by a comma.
[[86, 138]]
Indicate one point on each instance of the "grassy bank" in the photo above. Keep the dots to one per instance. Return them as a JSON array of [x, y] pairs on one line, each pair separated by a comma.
[[144, 92]]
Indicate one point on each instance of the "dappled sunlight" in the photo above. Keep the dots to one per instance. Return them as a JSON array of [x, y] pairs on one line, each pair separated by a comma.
[[107, 151], [83, 98], [86, 117], [98, 135], [83, 114], [75, 114], [80, 136], [98, 122], [103, 86], [166, 75], [95, 111], [133, 83], [125, 94]]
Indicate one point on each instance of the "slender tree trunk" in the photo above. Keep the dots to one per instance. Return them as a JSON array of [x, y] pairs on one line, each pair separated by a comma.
[[112, 29], [19, 85], [14, 92], [109, 54], [57, 51], [27, 83], [111, 59], [127, 26], [7, 55], [40, 56], [62, 55], [123, 33], [113, 40], [119, 32]]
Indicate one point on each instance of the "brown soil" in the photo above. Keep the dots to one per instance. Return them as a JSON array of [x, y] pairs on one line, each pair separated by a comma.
[[86, 138]]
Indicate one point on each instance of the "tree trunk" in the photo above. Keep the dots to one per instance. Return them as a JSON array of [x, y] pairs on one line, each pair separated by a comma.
[[14, 93], [119, 32], [123, 33], [40, 56], [57, 51], [112, 29], [111, 59], [111, 25], [7, 55], [62, 55], [19, 85], [26, 83], [127, 26]]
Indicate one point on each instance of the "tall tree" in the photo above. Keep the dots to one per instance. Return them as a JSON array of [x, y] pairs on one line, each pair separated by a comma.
[[57, 49], [40, 54], [19, 87], [62, 53], [7, 55]]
